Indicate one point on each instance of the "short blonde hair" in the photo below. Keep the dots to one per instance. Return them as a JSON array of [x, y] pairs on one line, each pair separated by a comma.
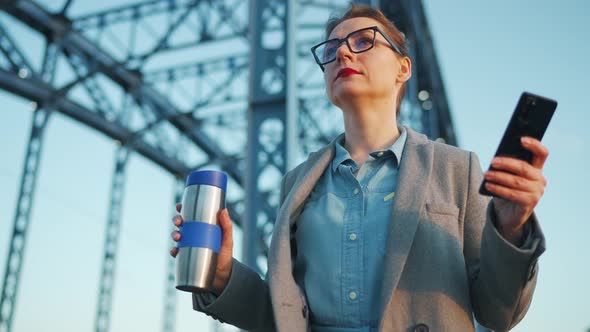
[[388, 27]]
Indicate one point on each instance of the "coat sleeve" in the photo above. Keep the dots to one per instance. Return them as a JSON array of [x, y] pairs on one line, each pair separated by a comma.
[[502, 276], [245, 302]]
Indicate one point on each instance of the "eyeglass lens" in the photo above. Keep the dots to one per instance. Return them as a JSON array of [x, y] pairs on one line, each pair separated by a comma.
[[359, 41]]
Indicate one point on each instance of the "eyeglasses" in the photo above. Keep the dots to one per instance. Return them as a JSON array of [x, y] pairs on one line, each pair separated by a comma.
[[357, 41]]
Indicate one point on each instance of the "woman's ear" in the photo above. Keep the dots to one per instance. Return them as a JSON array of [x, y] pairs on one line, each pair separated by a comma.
[[405, 70]]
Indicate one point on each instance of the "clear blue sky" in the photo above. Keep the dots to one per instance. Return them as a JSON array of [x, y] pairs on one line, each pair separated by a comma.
[[489, 52]]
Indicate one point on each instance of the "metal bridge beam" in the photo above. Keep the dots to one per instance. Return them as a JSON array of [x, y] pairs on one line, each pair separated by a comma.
[[428, 94], [26, 194], [22, 220], [266, 115], [109, 261]]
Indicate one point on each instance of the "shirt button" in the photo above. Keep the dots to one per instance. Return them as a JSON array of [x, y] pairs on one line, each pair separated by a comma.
[[352, 236], [352, 295], [356, 191], [380, 154]]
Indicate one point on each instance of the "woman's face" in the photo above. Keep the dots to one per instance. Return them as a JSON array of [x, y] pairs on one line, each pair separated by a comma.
[[378, 69]]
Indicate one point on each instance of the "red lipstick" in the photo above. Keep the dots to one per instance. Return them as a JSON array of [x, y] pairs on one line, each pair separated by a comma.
[[344, 72]]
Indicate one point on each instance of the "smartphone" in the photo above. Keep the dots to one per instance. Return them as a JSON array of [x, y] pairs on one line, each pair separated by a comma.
[[530, 118]]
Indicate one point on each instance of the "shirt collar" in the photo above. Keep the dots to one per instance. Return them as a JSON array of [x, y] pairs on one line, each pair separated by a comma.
[[342, 155]]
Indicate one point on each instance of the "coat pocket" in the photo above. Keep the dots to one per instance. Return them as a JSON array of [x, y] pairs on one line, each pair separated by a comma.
[[442, 209], [441, 223], [445, 216]]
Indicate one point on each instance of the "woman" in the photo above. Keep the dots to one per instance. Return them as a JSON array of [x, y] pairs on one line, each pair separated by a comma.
[[383, 229]]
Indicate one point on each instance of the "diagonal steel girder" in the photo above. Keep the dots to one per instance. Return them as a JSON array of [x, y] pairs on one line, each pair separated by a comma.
[[56, 27], [17, 60], [42, 93]]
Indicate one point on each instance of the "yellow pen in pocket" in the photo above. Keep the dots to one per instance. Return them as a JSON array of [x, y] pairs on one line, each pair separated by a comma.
[[388, 196]]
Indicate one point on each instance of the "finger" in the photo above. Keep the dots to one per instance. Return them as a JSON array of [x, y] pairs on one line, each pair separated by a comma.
[[175, 236], [226, 228], [177, 220], [512, 181], [517, 167], [524, 199], [174, 252], [539, 151], [178, 207]]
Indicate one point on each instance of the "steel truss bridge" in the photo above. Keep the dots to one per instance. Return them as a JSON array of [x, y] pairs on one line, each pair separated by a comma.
[[191, 84]]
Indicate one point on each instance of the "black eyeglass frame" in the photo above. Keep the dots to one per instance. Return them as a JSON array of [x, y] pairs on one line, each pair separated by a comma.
[[345, 40]]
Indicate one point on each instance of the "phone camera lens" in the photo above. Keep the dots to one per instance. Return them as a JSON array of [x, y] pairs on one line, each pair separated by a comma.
[[531, 101]]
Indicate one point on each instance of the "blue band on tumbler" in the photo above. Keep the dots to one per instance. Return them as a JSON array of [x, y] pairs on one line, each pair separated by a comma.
[[201, 235], [210, 177]]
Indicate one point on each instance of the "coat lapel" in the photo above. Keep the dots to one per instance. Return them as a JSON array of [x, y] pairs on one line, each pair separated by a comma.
[[285, 294], [414, 174], [307, 179]]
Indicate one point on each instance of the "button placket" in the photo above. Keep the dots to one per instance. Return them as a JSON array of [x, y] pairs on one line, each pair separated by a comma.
[[351, 247]]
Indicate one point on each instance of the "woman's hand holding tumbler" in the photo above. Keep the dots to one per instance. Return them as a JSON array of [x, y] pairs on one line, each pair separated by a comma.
[[224, 261]]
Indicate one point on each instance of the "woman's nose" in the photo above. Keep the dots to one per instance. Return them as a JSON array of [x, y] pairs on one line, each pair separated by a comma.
[[343, 51]]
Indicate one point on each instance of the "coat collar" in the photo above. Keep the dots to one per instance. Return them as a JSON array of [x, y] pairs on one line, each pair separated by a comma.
[[397, 148], [316, 164]]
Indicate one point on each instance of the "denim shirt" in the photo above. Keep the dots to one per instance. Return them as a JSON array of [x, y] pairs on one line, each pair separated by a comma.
[[340, 238]]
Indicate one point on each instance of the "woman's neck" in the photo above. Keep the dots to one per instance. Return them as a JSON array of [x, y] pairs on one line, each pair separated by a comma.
[[369, 129]]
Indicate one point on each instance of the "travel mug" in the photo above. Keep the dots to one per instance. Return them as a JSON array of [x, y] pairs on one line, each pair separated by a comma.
[[200, 234]]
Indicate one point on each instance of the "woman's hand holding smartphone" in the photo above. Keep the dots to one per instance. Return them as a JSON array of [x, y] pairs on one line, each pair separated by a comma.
[[515, 176]]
